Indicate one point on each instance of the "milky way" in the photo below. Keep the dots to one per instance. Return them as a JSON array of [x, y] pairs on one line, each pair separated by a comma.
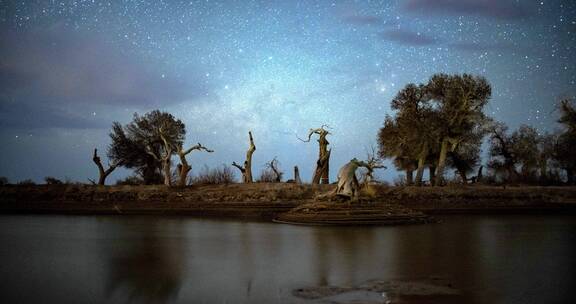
[[70, 68]]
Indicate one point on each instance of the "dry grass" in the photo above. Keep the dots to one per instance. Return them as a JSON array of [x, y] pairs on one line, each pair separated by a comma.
[[215, 176]]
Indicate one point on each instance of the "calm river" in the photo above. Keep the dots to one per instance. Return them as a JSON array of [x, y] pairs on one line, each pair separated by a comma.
[[120, 259]]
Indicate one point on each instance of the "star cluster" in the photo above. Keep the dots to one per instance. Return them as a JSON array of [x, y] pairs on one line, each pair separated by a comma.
[[70, 68]]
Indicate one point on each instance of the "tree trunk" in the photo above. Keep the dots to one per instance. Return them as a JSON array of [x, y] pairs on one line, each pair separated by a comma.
[[184, 168], [167, 173], [248, 162], [409, 177], [463, 176], [432, 173], [322, 165], [420, 170], [297, 179], [348, 185], [247, 169], [543, 171], [570, 176], [183, 171], [445, 148]]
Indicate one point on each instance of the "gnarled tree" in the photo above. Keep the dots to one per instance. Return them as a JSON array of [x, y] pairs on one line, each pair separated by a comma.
[[147, 144], [273, 166], [321, 173], [184, 168], [103, 173], [246, 170], [348, 185]]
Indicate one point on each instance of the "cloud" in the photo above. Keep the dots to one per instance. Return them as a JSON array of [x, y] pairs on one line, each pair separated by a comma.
[[46, 72], [497, 9], [26, 116], [408, 37]]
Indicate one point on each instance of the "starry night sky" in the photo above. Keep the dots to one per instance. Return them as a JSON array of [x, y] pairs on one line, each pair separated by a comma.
[[68, 69]]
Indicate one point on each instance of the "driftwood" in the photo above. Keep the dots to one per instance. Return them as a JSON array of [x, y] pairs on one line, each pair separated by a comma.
[[102, 173], [184, 168], [321, 174], [246, 170]]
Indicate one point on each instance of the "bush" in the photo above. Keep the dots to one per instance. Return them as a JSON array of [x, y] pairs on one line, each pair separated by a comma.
[[267, 176], [220, 175], [130, 180], [26, 182], [3, 181], [52, 181]]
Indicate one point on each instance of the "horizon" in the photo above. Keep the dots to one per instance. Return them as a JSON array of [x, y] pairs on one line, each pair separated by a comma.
[[67, 71]]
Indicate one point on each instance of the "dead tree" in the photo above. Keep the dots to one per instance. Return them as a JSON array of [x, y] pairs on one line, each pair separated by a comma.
[[372, 163], [348, 186], [184, 168], [102, 173], [297, 179], [247, 169], [322, 164], [273, 165]]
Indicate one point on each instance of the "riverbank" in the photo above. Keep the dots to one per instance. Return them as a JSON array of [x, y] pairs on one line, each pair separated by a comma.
[[266, 200]]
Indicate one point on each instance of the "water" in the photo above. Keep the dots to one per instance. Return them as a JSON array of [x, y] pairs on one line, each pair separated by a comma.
[[114, 259]]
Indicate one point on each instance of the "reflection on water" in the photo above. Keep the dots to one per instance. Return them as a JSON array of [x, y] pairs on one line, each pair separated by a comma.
[[513, 259], [147, 268]]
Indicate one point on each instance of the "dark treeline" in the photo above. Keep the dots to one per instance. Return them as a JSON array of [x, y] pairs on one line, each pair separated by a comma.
[[435, 126], [441, 124]]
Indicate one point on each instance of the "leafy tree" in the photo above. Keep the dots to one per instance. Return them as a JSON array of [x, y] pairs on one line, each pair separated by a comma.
[[148, 143], [525, 143], [459, 100], [466, 157], [394, 143], [502, 154], [417, 121], [566, 143]]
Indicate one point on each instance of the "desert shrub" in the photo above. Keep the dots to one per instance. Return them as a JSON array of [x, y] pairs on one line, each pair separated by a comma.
[[52, 181], [26, 182], [266, 176], [3, 181], [219, 175], [130, 180]]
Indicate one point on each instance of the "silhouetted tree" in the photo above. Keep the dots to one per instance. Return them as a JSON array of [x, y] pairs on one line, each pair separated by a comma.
[[502, 154], [566, 143], [102, 173]]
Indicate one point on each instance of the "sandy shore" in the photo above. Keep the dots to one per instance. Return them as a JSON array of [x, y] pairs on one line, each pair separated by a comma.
[[267, 200]]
